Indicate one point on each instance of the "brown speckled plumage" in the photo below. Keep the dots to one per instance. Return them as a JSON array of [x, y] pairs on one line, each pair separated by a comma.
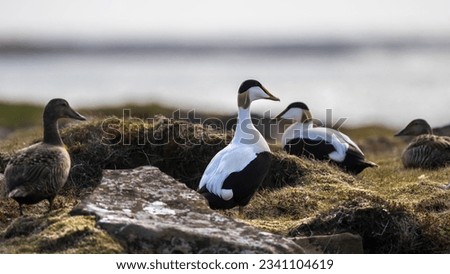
[[38, 172], [426, 150]]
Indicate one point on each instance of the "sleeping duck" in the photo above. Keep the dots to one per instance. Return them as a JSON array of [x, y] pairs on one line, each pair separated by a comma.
[[426, 150], [304, 139]]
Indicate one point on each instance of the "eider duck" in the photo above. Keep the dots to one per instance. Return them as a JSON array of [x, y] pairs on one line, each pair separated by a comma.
[[426, 150], [304, 139], [235, 173], [39, 171]]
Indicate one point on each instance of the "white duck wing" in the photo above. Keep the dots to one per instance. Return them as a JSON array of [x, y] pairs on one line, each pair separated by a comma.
[[347, 139], [332, 137], [230, 159]]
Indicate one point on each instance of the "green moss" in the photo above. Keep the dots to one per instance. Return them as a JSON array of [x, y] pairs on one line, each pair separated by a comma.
[[57, 233]]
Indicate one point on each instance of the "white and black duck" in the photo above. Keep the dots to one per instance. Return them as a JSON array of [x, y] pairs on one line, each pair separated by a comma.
[[304, 139], [426, 150], [236, 172], [38, 172]]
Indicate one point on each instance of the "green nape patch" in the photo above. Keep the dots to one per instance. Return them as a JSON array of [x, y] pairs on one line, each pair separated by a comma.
[[57, 232]]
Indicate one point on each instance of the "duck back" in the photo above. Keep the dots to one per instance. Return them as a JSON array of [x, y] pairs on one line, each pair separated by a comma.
[[313, 149], [427, 151], [36, 173]]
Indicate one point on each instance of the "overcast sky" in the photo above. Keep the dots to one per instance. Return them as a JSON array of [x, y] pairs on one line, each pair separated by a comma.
[[106, 19]]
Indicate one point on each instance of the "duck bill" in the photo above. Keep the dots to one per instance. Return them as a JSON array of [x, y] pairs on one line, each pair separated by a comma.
[[403, 132], [75, 115], [271, 96]]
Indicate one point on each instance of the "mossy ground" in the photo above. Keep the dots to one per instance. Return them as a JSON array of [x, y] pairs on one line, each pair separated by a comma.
[[396, 210], [56, 232]]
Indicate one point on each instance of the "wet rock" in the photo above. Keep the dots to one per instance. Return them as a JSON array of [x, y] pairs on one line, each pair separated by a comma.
[[345, 243], [150, 212]]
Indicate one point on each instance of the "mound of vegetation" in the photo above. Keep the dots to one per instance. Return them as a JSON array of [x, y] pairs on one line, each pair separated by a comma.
[[384, 227], [57, 232], [393, 209], [179, 148]]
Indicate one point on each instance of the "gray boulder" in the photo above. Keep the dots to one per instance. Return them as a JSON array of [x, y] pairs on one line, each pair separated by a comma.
[[148, 211]]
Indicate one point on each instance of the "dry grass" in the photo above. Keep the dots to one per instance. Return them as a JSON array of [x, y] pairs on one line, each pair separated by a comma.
[[394, 209], [57, 232]]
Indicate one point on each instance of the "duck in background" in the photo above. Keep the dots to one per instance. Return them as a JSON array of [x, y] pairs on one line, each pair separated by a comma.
[[236, 172], [38, 172], [426, 150], [304, 139]]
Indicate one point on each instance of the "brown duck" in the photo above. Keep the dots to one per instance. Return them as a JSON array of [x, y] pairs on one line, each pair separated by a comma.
[[38, 172], [426, 150]]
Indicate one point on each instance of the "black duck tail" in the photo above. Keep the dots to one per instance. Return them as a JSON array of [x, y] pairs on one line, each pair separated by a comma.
[[215, 202], [355, 162]]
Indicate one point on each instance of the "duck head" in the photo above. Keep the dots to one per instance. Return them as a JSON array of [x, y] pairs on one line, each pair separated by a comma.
[[252, 90], [60, 108], [415, 128], [297, 111]]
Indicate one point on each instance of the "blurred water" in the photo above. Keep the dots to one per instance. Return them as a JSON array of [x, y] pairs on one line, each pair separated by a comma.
[[367, 86]]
